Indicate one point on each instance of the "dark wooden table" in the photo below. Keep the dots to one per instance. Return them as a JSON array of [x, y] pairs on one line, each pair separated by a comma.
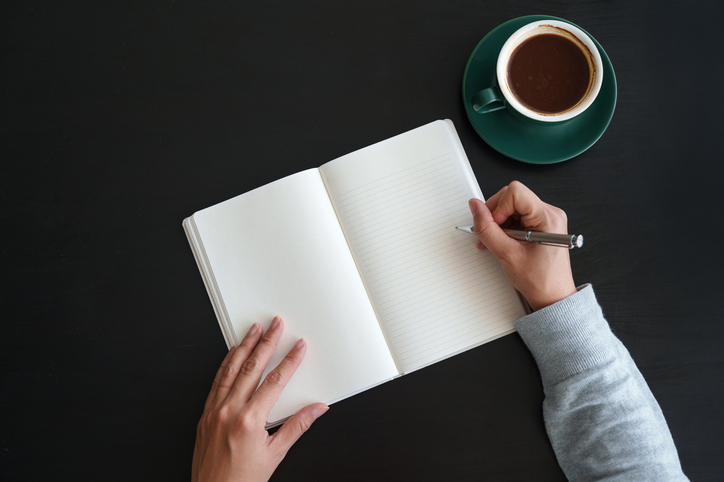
[[119, 119]]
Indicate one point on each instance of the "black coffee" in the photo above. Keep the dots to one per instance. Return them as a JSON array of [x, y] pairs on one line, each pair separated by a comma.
[[548, 73]]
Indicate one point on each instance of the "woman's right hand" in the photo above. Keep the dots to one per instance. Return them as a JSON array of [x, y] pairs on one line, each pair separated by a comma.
[[542, 274]]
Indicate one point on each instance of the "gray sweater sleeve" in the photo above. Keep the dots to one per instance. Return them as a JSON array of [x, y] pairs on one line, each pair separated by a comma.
[[601, 418]]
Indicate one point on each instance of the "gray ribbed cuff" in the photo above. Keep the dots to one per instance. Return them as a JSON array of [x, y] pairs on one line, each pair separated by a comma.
[[568, 337]]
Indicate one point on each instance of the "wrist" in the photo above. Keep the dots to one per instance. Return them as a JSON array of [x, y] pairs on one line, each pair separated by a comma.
[[543, 300]]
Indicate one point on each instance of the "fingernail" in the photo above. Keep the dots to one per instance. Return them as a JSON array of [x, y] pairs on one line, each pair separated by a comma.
[[319, 412], [299, 344], [274, 323], [473, 207], [253, 329]]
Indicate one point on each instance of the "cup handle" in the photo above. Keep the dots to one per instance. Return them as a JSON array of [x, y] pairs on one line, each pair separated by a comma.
[[488, 100]]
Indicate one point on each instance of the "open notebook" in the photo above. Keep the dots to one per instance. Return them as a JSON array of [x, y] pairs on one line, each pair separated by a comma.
[[361, 258]]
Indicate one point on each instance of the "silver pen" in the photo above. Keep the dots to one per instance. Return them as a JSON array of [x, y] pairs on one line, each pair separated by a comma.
[[569, 241]]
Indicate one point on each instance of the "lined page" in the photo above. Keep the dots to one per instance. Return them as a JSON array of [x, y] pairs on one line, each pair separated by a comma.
[[398, 202], [279, 250]]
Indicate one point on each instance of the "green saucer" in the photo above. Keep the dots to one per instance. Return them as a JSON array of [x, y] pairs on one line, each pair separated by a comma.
[[536, 144]]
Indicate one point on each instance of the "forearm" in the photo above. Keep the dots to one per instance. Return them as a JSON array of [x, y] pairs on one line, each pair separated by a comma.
[[601, 417]]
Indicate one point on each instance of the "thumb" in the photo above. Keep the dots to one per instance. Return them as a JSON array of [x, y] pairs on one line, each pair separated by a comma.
[[299, 423], [487, 230]]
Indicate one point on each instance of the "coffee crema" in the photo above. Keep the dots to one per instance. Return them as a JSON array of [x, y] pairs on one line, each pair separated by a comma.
[[549, 73]]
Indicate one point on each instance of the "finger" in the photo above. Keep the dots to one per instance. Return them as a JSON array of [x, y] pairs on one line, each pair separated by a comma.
[[492, 201], [233, 367], [490, 234], [271, 388], [519, 200], [214, 385], [254, 365], [299, 423]]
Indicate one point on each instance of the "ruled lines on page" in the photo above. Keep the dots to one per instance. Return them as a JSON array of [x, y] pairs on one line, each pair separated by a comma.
[[434, 292]]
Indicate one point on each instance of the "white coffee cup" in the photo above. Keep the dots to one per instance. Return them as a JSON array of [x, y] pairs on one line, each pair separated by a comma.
[[501, 95]]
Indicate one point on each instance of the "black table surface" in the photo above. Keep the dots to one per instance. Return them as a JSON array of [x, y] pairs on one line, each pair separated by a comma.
[[119, 119]]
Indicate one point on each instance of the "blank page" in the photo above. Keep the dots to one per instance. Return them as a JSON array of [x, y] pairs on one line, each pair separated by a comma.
[[398, 202], [279, 250]]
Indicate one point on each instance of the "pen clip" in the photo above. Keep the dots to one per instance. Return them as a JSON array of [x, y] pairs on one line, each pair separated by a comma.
[[575, 241], [569, 246]]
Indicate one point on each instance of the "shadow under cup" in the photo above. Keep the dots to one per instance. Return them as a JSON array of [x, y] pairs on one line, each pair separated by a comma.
[[547, 72]]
